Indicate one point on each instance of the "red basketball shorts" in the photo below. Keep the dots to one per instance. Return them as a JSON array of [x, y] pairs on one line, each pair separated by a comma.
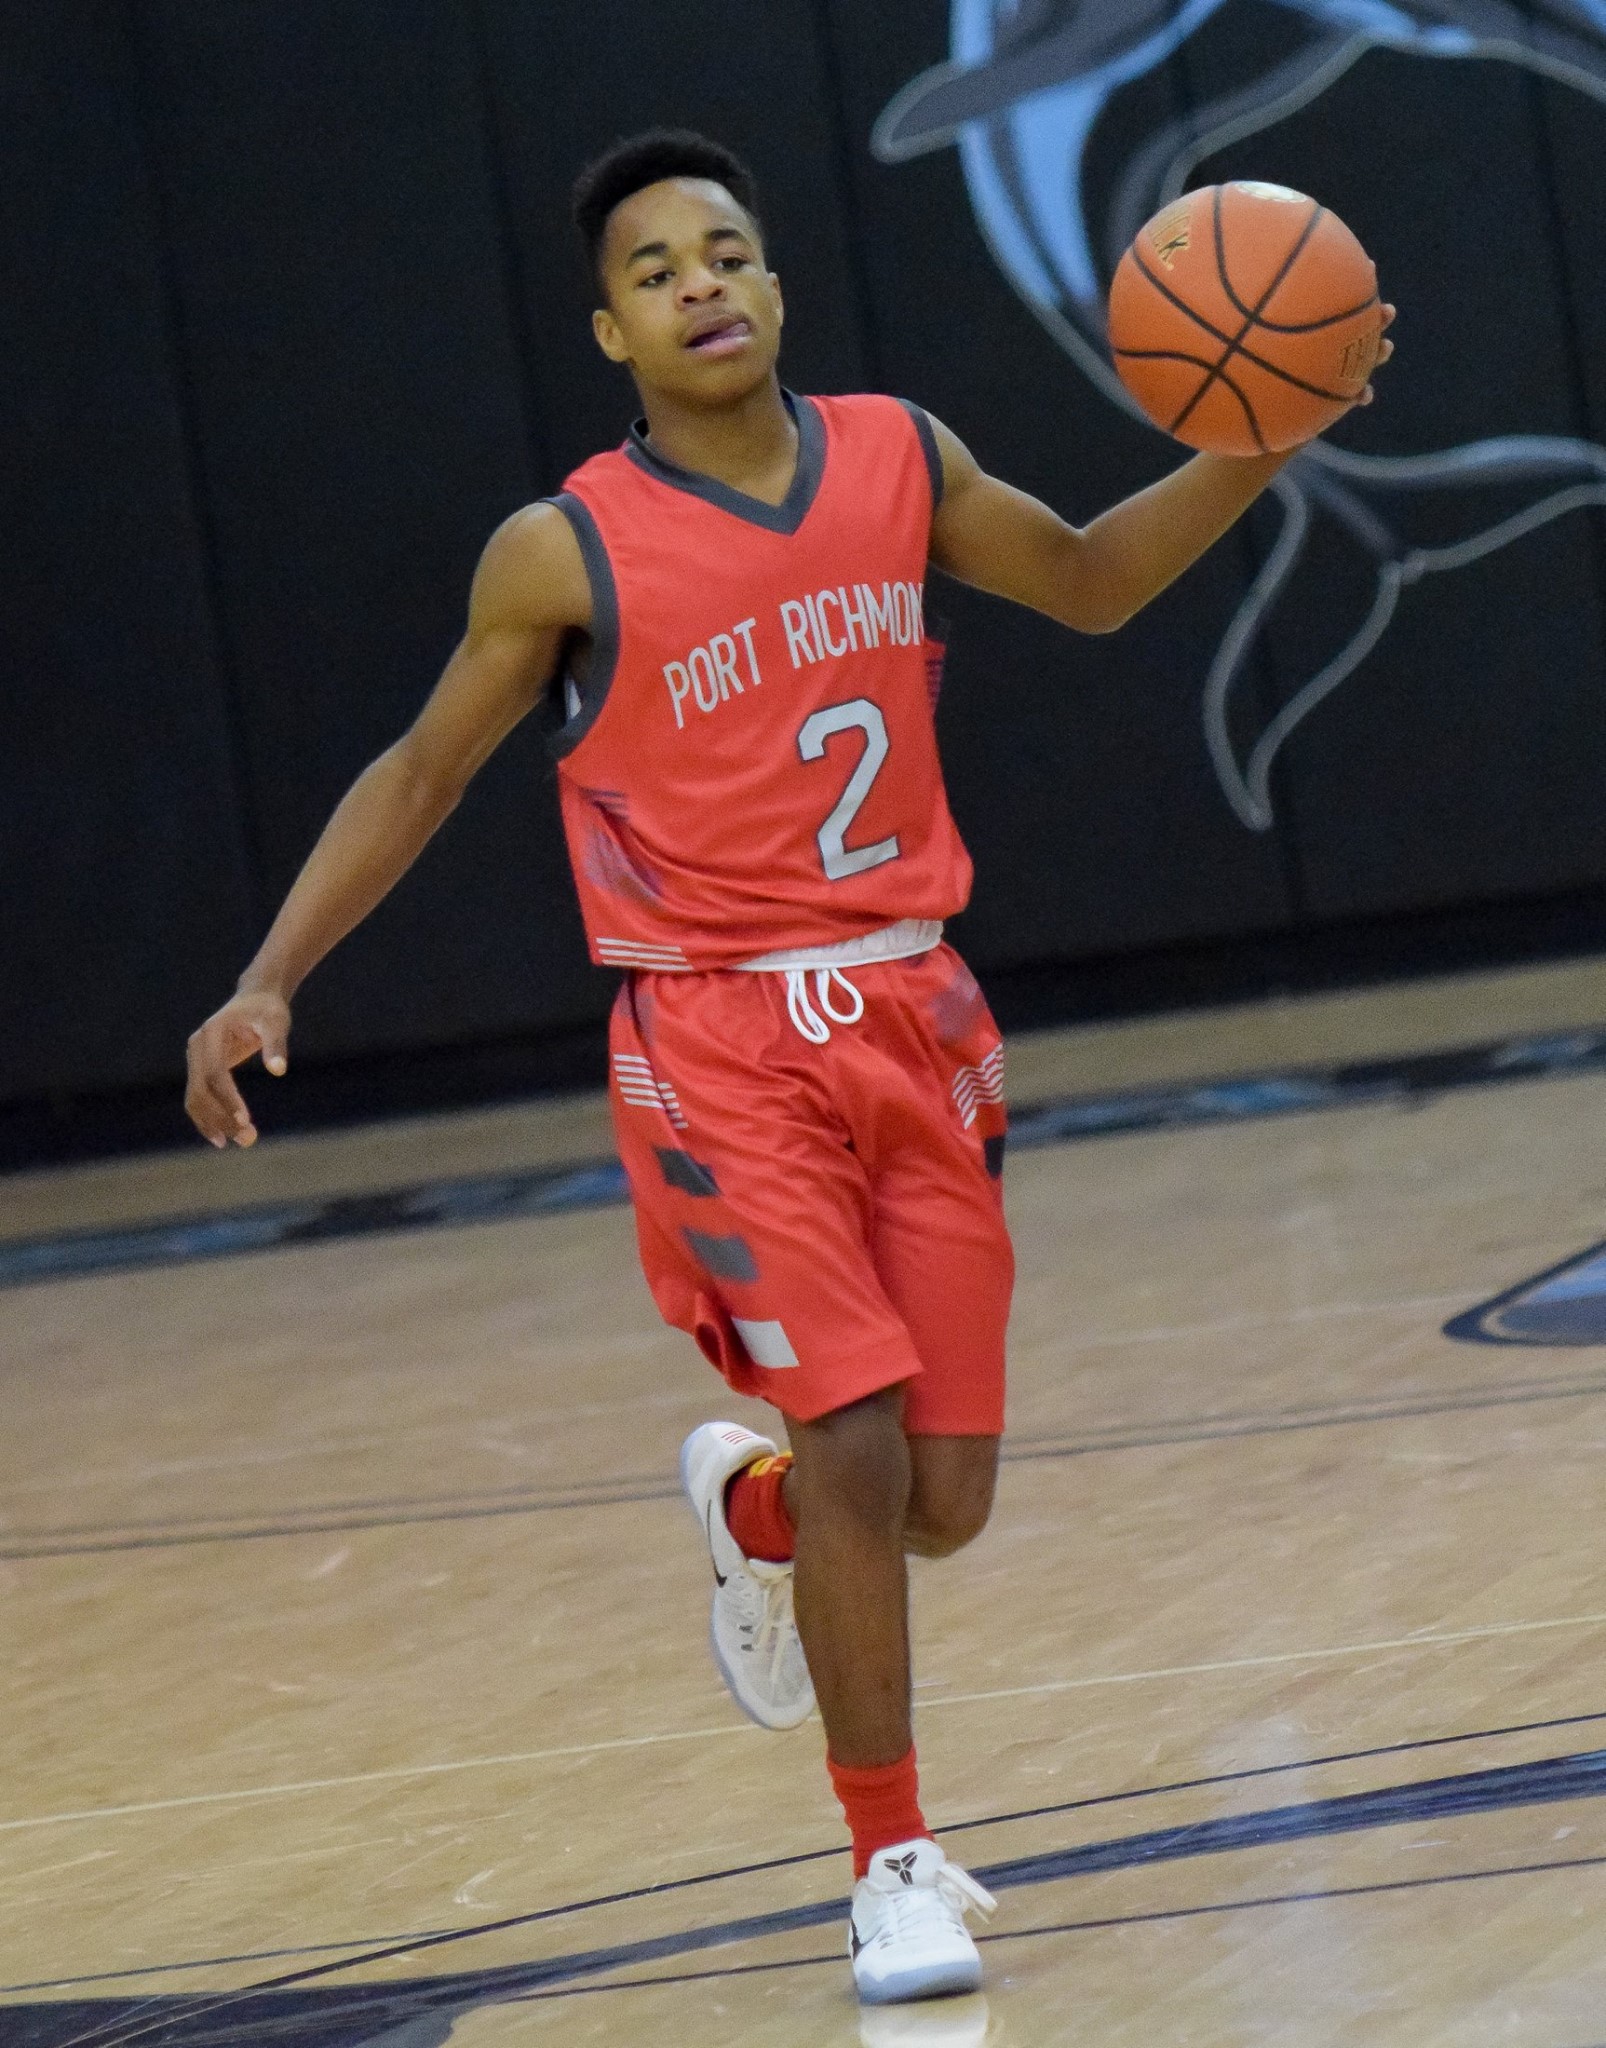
[[825, 1219]]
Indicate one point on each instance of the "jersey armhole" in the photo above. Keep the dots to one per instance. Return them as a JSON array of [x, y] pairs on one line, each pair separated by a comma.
[[604, 624], [928, 448]]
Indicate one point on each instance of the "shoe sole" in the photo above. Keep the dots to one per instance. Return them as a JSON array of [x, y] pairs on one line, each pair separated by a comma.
[[947, 1980]]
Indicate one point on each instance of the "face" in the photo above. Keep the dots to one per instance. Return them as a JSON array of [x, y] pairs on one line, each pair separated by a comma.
[[690, 307]]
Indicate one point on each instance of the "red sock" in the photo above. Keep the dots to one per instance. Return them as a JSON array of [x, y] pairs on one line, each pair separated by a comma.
[[755, 1512], [882, 1804]]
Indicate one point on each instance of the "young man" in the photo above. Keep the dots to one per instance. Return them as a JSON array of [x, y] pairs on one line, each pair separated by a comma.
[[806, 1083]]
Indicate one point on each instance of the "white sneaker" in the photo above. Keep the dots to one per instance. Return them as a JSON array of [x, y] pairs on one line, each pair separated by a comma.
[[754, 1637], [906, 1933]]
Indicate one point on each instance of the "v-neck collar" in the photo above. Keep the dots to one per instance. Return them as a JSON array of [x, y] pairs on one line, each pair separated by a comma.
[[789, 514]]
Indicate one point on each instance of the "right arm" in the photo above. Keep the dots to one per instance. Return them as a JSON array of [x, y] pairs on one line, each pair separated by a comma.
[[530, 591]]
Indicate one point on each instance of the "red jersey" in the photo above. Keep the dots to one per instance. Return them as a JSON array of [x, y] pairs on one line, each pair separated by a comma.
[[752, 766]]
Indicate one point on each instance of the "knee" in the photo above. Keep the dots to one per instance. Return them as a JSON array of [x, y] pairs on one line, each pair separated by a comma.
[[940, 1524]]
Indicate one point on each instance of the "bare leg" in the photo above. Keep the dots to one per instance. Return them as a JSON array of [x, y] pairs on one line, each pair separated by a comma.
[[860, 1495], [951, 1494], [848, 1494]]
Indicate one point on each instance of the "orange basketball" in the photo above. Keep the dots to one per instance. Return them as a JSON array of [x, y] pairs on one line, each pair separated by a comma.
[[1245, 318]]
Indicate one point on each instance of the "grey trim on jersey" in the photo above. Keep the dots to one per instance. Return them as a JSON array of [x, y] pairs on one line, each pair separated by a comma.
[[604, 625], [785, 517], [929, 448]]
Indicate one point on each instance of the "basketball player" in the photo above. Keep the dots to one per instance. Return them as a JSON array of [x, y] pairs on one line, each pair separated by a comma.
[[806, 1082]]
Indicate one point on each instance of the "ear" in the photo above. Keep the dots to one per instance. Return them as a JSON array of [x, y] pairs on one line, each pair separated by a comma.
[[606, 328], [775, 294]]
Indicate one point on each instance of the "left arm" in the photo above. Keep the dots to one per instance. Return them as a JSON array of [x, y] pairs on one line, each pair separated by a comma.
[[1092, 577]]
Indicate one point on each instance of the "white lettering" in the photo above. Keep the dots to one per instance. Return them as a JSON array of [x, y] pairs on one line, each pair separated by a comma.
[[701, 664], [854, 620], [814, 621], [917, 592], [671, 670], [903, 627], [881, 617], [795, 621], [822, 599], [723, 648], [745, 630]]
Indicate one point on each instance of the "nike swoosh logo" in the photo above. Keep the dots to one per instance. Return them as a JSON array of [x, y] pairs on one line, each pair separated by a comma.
[[708, 1517]]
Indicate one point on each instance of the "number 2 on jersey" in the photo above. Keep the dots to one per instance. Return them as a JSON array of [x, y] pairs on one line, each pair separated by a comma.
[[859, 715]]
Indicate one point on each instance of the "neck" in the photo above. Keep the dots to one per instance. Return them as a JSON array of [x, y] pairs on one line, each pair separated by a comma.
[[746, 442]]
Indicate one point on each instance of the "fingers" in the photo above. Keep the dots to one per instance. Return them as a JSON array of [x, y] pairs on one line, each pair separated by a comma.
[[1385, 349], [218, 1113], [213, 1100], [214, 1104]]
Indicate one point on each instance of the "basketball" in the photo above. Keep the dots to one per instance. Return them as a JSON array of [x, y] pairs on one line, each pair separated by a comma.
[[1245, 318]]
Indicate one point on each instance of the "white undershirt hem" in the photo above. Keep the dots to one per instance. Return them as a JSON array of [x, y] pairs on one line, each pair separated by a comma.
[[900, 941]]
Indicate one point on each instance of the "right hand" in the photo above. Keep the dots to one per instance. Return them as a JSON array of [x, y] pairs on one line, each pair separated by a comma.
[[246, 1024]]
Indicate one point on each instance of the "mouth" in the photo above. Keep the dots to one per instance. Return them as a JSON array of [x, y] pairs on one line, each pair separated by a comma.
[[726, 336]]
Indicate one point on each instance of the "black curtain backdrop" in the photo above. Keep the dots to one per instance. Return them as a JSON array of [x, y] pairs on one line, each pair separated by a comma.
[[292, 319]]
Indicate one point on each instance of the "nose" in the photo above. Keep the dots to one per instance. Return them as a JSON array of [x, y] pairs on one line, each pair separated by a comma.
[[699, 284]]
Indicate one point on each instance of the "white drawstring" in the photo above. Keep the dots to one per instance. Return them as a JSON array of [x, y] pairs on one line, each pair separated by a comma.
[[803, 1013]]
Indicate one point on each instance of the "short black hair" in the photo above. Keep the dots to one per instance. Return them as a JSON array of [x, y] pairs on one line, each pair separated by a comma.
[[636, 161]]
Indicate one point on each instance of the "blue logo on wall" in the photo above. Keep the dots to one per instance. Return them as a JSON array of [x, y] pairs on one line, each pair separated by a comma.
[[1565, 1305], [1020, 96]]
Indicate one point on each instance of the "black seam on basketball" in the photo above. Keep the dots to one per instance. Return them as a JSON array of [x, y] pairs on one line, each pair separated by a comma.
[[1311, 326], [1248, 354], [1182, 306], [1210, 369], [1219, 375], [1251, 314], [1164, 355], [1231, 346], [1288, 377]]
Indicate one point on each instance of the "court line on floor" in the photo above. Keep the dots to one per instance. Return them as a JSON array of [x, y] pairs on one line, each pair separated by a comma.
[[301, 1785], [1113, 1921], [1551, 1781], [1576, 1386], [1413, 1642], [988, 1820], [1348, 1891], [1423, 1640], [255, 1955], [32, 1546]]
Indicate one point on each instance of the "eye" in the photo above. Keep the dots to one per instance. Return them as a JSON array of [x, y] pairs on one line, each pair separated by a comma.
[[735, 262], [652, 278]]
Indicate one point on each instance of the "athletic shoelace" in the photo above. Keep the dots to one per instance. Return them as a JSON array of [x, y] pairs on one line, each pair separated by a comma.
[[775, 1624], [803, 1013], [902, 1911]]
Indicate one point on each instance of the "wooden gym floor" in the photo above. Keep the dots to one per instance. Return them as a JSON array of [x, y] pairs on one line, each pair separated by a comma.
[[355, 1631]]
